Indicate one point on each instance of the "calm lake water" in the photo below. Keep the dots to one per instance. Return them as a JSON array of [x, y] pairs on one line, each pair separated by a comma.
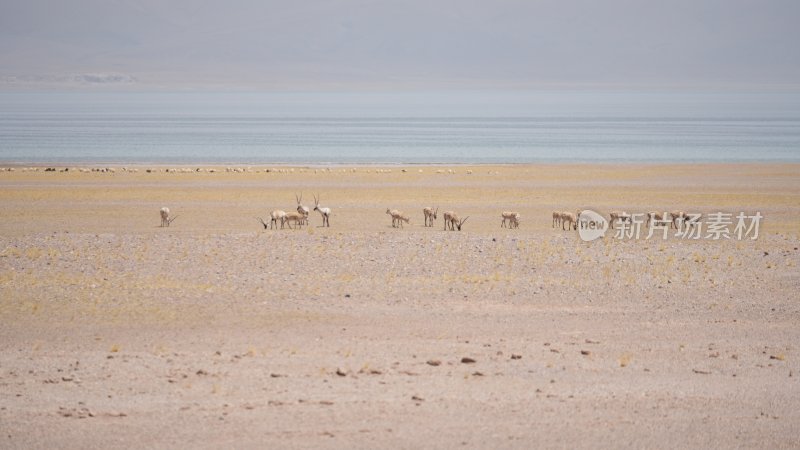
[[420, 127]]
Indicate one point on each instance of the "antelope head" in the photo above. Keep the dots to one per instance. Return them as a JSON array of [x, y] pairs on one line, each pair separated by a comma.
[[458, 225]]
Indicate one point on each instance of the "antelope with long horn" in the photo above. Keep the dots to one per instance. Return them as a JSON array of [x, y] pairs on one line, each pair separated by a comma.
[[325, 212], [166, 220], [302, 209], [454, 220], [430, 215]]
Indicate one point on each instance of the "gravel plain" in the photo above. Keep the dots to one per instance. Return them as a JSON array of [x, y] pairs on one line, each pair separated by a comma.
[[214, 332]]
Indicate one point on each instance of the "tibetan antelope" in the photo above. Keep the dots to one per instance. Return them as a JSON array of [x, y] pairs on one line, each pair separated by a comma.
[[302, 209], [654, 217], [325, 212], [452, 218], [677, 216], [511, 217], [430, 215], [556, 218], [274, 217], [396, 217], [570, 220], [403, 218], [298, 218], [165, 219], [618, 216]]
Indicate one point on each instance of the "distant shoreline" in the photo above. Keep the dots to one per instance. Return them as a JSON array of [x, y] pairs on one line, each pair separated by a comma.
[[285, 164]]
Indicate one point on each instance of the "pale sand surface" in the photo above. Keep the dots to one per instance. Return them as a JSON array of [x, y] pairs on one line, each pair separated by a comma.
[[217, 333]]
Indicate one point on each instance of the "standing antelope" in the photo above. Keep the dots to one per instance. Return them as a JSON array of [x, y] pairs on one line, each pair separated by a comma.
[[617, 216], [430, 215], [556, 218], [510, 216], [275, 216], [296, 217], [654, 217], [302, 209], [570, 220], [165, 219], [677, 216], [325, 212]]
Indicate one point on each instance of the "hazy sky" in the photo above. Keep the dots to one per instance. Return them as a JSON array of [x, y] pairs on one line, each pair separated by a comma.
[[411, 43]]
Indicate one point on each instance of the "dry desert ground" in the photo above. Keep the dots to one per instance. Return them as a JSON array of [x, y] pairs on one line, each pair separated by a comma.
[[216, 333]]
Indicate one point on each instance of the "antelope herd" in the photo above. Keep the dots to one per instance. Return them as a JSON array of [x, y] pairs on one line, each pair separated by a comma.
[[673, 219], [566, 220]]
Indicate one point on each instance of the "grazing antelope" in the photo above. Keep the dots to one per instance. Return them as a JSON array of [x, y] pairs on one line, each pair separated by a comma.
[[395, 214], [514, 223], [510, 217], [165, 219], [448, 215], [302, 209], [325, 212], [430, 215], [262, 222], [296, 217], [454, 221], [556, 218], [403, 218], [570, 220]]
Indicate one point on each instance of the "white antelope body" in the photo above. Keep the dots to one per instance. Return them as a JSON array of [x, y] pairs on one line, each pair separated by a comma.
[[275, 216], [165, 219], [324, 212]]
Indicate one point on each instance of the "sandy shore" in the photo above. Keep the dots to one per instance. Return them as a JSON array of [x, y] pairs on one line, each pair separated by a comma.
[[217, 333]]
